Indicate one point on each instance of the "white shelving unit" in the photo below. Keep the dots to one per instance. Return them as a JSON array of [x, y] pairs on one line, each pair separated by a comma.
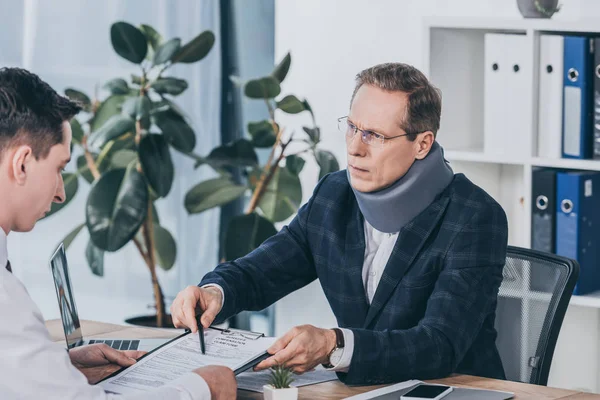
[[455, 62]]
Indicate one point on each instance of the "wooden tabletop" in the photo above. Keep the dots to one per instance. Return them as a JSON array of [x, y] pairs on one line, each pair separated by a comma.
[[334, 389]]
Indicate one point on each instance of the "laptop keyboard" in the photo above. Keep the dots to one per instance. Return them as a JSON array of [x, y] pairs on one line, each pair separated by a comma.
[[119, 344]]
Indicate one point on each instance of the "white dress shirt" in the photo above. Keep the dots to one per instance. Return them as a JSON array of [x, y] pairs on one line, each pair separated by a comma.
[[34, 367], [378, 249]]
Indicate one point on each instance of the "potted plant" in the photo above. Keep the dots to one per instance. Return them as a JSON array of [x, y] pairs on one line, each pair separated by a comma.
[[274, 188], [126, 140], [279, 388]]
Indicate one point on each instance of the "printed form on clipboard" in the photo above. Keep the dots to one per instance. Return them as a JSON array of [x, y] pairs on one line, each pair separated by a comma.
[[237, 349]]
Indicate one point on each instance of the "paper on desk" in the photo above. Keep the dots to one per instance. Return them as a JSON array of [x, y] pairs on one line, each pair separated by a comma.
[[182, 356], [254, 381]]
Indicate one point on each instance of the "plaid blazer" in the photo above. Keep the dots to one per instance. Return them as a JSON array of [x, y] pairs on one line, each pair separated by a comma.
[[434, 309]]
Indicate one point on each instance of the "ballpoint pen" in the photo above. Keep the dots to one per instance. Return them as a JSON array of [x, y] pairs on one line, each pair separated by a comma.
[[201, 336]]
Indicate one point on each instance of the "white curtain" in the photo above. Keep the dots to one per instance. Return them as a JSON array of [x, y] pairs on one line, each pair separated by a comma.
[[67, 43]]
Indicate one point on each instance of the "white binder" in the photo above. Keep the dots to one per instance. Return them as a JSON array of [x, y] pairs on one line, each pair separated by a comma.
[[550, 102], [507, 83]]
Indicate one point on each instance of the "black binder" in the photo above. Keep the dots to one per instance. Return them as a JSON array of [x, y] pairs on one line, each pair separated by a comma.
[[543, 213]]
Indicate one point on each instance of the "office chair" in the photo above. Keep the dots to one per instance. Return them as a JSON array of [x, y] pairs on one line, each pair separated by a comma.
[[532, 302]]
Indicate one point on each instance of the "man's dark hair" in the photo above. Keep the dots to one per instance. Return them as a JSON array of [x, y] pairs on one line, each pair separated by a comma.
[[424, 100], [31, 112]]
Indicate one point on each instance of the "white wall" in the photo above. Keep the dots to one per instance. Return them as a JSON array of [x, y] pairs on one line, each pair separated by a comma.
[[330, 42]]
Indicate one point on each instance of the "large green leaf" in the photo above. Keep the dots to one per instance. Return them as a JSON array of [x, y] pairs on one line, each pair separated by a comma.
[[212, 193], [71, 184], [263, 88], [83, 169], [95, 258], [109, 107], [76, 130], [104, 161], [116, 207], [137, 107], [281, 70], [128, 41], [116, 126], [122, 158], [178, 133], [262, 133], [72, 235], [239, 153], [313, 133], [245, 233], [136, 79], [327, 162], [117, 86], [165, 248], [166, 51], [172, 86], [153, 38], [294, 164], [282, 197], [196, 49], [79, 97], [157, 165], [290, 104]]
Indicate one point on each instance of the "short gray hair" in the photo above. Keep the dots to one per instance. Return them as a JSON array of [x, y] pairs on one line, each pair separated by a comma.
[[424, 100]]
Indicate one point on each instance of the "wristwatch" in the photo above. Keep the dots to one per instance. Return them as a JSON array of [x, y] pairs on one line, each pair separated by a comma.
[[335, 355]]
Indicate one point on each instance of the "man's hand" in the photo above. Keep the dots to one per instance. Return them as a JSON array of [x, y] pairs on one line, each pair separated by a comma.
[[99, 360], [302, 348], [194, 300], [220, 380]]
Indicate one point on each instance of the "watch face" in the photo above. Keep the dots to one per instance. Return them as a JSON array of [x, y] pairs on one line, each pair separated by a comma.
[[336, 356]]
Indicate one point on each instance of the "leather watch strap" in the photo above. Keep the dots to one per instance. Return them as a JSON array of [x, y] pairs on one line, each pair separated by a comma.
[[339, 343]]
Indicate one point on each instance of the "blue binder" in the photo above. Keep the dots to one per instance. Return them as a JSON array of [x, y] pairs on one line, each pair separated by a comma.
[[577, 223], [578, 98]]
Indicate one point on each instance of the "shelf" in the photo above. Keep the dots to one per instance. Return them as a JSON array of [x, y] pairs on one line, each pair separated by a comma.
[[564, 163], [567, 163], [591, 300], [478, 156], [514, 24], [588, 300]]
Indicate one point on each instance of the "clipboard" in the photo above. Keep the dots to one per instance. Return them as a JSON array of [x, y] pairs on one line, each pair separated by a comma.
[[246, 334]]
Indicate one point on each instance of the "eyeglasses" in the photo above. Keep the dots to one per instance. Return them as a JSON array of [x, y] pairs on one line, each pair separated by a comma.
[[368, 137]]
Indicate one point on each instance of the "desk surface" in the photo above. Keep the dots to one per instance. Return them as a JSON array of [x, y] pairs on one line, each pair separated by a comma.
[[334, 389]]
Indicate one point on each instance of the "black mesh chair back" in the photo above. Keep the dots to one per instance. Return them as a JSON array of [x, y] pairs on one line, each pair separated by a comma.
[[532, 302]]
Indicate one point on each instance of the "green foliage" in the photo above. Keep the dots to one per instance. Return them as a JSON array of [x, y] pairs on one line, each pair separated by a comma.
[[127, 134], [276, 187], [281, 377]]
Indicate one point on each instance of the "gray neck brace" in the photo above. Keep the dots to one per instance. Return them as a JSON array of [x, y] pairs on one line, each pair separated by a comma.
[[389, 209]]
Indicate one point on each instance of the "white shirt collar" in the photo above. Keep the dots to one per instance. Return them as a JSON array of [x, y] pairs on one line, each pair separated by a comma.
[[3, 249]]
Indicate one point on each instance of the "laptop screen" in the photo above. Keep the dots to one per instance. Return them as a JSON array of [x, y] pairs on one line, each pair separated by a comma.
[[64, 293]]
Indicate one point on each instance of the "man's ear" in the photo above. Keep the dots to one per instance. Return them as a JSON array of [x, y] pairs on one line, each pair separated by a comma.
[[424, 141], [20, 163]]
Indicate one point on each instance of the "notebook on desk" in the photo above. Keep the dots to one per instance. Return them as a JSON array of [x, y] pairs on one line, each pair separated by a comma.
[[237, 349], [394, 392]]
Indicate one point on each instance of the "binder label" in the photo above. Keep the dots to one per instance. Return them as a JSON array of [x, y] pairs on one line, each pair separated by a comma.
[[588, 188]]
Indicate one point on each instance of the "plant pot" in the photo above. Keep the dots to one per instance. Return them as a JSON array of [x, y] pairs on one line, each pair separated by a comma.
[[149, 321], [270, 393], [543, 8]]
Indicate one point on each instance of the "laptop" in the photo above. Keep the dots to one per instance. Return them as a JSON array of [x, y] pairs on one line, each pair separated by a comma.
[[70, 318]]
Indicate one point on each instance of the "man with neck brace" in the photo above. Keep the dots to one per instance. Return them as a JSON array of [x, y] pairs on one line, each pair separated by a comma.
[[409, 254]]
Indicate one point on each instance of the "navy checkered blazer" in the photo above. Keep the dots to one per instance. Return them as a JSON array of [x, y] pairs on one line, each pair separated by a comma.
[[434, 309]]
